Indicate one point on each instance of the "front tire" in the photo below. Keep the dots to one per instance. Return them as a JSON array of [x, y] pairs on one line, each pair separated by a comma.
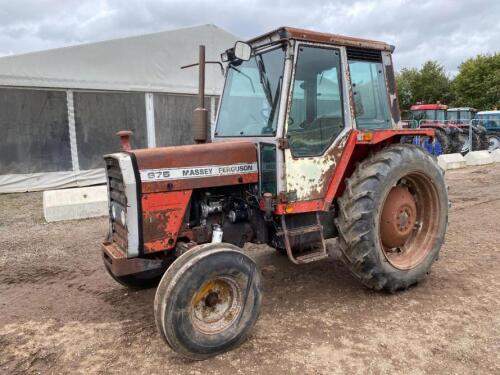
[[208, 301], [392, 218], [493, 142]]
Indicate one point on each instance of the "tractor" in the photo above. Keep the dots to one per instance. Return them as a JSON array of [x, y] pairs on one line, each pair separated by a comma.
[[433, 116], [307, 146], [463, 118], [490, 120]]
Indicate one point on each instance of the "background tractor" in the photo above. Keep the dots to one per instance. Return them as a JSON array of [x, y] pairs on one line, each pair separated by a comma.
[[433, 116], [307, 146], [490, 120], [464, 119]]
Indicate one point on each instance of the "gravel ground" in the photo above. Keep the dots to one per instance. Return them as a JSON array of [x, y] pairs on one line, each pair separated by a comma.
[[61, 313]]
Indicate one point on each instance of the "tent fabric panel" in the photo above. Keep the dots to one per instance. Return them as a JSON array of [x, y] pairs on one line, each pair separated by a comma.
[[174, 117], [35, 134], [19, 183], [99, 116]]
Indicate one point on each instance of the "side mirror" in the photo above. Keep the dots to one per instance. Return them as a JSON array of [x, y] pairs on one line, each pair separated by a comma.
[[242, 51]]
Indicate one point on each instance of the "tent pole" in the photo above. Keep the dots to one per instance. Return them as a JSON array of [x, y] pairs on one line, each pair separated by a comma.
[[72, 130]]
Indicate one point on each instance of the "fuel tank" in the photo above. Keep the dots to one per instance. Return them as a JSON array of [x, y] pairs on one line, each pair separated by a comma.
[[196, 166]]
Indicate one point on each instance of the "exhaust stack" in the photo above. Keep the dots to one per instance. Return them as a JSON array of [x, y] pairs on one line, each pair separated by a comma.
[[200, 115]]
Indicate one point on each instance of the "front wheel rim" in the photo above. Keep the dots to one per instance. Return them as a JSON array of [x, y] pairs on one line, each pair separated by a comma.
[[408, 227], [216, 305], [493, 143]]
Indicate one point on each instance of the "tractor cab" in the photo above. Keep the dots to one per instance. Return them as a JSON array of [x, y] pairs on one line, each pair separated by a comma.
[[490, 121], [429, 113], [461, 115], [298, 95]]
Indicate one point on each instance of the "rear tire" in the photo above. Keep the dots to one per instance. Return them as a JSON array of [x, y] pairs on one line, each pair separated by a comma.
[[445, 141], [208, 301], [481, 138], [394, 250]]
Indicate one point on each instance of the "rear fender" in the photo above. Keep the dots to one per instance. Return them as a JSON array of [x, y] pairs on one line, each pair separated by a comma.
[[358, 146]]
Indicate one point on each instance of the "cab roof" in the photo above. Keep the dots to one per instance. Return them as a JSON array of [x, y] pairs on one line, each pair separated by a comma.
[[423, 107], [286, 32], [494, 112], [462, 109]]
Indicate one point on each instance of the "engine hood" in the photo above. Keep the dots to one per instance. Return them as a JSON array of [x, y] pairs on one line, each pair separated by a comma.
[[196, 166]]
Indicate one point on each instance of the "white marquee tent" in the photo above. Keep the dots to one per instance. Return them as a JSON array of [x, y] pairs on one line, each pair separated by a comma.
[[60, 109]]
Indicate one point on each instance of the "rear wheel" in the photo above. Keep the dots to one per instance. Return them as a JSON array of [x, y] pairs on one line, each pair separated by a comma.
[[392, 218], [208, 301], [445, 141], [480, 141]]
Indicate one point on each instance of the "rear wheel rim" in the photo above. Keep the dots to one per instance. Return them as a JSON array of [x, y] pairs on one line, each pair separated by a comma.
[[409, 221], [216, 305]]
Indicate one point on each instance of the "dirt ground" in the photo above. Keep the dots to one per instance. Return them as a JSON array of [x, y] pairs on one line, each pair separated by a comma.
[[61, 313]]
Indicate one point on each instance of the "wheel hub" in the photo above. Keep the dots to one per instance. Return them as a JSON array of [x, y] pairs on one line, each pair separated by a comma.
[[216, 305], [398, 217]]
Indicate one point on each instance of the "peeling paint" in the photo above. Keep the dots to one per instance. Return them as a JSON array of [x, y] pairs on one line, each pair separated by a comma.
[[310, 177]]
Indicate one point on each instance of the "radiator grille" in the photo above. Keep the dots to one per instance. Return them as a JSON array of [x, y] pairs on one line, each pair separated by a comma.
[[118, 203]]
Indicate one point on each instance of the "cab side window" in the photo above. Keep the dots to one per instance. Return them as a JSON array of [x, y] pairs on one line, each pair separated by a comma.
[[316, 114], [369, 90]]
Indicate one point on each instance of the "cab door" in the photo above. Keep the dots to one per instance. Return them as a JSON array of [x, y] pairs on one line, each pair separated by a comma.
[[318, 120]]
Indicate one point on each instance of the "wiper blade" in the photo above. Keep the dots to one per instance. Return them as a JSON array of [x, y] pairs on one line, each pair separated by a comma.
[[264, 80]]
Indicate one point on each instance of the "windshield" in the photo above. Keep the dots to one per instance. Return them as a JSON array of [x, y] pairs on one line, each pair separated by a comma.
[[429, 114], [489, 120], [453, 115], [250, 101]]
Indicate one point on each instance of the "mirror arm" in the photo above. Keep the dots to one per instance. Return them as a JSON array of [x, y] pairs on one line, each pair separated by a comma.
[[206, 62]]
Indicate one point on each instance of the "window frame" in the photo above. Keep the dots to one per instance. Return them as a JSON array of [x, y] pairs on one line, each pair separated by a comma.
[[341, 84]]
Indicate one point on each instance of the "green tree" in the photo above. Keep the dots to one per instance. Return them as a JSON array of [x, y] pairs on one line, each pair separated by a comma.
[[406, 79], [478, 82], [428, 84]]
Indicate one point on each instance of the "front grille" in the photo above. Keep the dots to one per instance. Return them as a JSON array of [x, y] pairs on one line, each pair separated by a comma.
[[117, 203]]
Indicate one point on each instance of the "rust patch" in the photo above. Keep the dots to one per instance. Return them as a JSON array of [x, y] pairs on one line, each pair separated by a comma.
[[162, 217]]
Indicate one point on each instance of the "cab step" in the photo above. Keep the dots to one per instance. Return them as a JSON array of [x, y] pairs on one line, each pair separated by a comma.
[[312, 256]]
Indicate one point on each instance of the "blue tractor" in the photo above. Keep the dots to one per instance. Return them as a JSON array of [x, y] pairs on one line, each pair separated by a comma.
[[490, 120]]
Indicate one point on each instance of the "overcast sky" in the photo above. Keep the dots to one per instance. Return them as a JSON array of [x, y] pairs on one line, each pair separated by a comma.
[[444, 30]]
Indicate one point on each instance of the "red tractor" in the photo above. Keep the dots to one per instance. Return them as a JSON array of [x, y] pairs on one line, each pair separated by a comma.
[[433, 116], [453, 127], [307, 147]]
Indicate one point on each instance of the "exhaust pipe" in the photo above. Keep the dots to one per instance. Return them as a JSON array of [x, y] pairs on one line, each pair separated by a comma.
[[200, 115]]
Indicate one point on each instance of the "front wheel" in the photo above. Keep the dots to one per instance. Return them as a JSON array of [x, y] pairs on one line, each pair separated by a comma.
[[493, 142], [392, 217], [208, 300]]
